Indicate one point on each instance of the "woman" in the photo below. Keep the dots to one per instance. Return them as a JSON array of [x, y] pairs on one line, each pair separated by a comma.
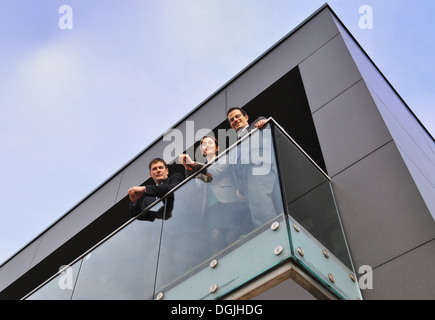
[[225, 213]]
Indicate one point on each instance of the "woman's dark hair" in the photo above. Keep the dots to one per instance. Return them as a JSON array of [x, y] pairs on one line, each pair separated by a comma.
[[214, 139]]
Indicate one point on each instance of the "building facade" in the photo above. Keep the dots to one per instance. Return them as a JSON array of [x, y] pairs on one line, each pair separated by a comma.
[[330, 103]]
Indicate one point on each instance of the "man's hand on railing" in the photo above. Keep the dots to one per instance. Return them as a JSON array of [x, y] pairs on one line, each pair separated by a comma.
[[261, 124], [135, 193]]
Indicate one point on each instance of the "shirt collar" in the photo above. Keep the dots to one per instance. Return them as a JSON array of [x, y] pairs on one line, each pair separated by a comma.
[[241, 131]]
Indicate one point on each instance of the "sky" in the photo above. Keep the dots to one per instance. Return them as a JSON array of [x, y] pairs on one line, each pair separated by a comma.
[[85, 89]]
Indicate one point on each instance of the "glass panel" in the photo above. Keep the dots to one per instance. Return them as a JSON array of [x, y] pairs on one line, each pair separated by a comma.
[[221, 207], [261, 250], [230, 212], [123, 267], [60, 287], [326, 268], [309, 198]]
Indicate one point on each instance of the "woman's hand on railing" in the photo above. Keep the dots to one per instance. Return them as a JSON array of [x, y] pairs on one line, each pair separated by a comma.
[[186, 161]]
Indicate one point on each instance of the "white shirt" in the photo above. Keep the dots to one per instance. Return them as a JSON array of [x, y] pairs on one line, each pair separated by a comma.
[[242, 132]]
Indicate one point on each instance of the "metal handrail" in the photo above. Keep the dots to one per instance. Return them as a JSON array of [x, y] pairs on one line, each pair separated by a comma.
[[181, 184]]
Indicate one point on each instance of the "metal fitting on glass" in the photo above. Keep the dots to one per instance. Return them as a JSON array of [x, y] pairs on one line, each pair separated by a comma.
[[213, 288], [274, 226], [326, 253], [331, 277], [160, 296], [301, 252], [213, 263], [352, 277], [296, 227], [277, 250]]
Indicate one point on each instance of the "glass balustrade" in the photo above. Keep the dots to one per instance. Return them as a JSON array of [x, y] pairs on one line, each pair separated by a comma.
[[216, 239], [61, 286], [261, 202], [316, 234]]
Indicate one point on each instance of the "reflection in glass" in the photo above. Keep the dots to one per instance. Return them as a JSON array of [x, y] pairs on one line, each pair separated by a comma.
[[124, 266], [256, 176], [60, 287], [224, 210], [310, 200], [219, 202]]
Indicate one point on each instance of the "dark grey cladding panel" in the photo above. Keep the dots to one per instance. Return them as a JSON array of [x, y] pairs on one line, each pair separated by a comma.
[[381, 209], [210, 114], [406, 131], [410, 276], [192, 128], [77, 219], [385, 95], [18, 265], [415, 143], [349, 128], [328, 72], [280, 60], [419, 171]]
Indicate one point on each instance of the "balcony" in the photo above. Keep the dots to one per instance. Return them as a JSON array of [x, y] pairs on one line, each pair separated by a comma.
[[290, 228]]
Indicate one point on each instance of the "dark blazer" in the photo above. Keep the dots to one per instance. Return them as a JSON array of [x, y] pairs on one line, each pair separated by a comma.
[[153, 192]]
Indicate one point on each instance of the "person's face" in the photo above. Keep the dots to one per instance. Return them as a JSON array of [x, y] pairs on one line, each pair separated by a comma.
[[237, 120], [208, 147], [158, 172]]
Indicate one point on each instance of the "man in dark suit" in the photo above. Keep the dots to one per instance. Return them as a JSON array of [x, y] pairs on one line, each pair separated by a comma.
[[255, 172], [160, 173]]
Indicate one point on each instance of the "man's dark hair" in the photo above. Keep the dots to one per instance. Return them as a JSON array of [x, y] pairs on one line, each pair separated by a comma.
[[237, 108], [155, 160]]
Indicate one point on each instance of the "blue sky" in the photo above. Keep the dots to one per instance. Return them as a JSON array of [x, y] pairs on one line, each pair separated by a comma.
[[76, 105]]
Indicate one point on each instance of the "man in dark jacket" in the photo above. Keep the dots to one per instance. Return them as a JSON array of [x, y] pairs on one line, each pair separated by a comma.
[[160, 173]]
